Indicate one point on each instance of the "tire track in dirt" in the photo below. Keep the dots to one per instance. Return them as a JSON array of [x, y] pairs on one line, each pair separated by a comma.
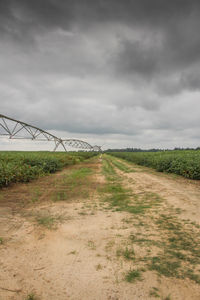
[[142, 182], [179, 192]]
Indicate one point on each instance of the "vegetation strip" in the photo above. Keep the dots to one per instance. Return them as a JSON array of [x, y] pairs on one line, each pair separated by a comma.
[[123, 199], [26, 166], [185, 163], [121, 166], [73, 184]]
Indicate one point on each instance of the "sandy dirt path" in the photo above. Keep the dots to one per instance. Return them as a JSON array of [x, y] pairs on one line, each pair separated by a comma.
[[76, 259], [177, 191]]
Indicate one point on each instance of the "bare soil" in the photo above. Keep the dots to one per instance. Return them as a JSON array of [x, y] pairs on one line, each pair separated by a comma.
[[75, 258]]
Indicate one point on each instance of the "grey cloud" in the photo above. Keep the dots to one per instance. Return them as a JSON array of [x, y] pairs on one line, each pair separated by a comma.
[[168, 42], [117, 70], [191, 78], [137, 58], [54, 12]]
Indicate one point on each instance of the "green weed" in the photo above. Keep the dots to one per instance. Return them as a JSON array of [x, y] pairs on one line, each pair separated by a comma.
[[74, 184], [49, 221], [121, 166], [91, 245], [185, 163], [128, 254], [166, 267], [31, 297], [133, 275], [154, 292], [26, 166], [108, 169]]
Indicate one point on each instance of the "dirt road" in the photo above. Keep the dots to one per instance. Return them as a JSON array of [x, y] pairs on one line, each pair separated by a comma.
[[104, 229]]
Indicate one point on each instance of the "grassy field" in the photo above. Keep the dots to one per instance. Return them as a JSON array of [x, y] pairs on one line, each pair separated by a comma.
[[185, 163], [25, 166]]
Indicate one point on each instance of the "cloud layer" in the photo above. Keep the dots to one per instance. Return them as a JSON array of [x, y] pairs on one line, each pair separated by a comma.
[[121, 72]]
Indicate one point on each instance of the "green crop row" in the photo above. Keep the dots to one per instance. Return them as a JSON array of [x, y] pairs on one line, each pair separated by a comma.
[[25, 166], [185, 163]]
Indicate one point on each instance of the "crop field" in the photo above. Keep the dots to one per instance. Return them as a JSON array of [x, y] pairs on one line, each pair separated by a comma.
[[184, 162], [25, 166], [102, 227]]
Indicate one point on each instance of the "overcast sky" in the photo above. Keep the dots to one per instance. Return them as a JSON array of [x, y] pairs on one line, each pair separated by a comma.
[[124, 73]]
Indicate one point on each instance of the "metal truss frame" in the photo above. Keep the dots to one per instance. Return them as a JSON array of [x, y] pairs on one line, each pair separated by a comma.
[[35, 133]]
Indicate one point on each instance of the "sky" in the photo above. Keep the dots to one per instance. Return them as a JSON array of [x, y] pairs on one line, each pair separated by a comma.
[[110, 72]]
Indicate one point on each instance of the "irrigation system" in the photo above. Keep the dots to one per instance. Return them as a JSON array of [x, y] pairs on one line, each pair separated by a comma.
[[15, 129]]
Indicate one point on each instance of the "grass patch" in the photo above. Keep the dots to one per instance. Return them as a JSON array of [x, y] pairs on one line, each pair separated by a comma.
[[81, 173], [49, 221], [122, 199], [121, 166], [145, 241], [31, 297], [75, 184], [164, 266], [154, 292], [133, 275], [91, 245], [107, 168], [60, 196], [128, 254], [35, 195], [180, 254], [1, 240], [109, 245]]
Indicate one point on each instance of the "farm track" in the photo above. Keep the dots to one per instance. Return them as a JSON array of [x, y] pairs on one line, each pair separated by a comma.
[[176, 190], [79, 247]]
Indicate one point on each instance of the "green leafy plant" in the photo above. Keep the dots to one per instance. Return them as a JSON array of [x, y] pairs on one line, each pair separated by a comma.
[[26, 166], [181, 162], [133, 275]]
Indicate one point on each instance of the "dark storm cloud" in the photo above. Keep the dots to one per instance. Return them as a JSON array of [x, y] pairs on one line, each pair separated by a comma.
[[169, 39], [102, 67], [50, 13]]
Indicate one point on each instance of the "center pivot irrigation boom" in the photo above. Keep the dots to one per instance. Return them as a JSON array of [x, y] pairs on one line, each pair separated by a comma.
[[15, 129]]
